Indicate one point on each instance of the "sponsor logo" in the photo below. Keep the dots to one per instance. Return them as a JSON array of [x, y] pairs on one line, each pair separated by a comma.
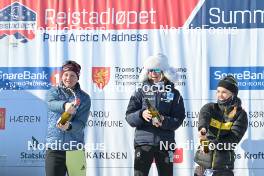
[[101, 76], [151, 15], [25, 119], [2, 118], [103, 119], [175, 157], [55, 77], [19, 21], [111, 155], [28, 78], [33, 144], [33, 155], [178, 155], [248, 78]]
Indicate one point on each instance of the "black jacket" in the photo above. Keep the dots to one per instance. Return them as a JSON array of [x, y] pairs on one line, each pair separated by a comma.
[[226, 125], [168, 103]]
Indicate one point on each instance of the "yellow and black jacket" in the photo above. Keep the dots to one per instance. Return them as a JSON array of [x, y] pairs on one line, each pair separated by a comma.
[[226, 125]]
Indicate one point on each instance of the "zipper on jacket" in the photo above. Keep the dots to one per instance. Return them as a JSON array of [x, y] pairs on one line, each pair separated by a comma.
[[156, 105], [217, 137]]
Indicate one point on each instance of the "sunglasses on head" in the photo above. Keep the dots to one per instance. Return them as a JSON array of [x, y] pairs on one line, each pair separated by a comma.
[[156, 70]]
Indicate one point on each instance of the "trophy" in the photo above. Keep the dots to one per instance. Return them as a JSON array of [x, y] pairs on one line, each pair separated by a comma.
[[153, 111], [65, 116]]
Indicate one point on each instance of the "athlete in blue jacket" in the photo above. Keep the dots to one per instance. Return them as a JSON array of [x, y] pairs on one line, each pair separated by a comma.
[[68, 97]]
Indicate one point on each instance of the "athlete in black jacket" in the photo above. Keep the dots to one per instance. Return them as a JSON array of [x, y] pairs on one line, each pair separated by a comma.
[[149, 134], [224, 123]]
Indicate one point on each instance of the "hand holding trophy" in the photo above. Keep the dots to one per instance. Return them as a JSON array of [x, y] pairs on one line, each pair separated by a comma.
[[70, 109], [155, 116], [204, 141]]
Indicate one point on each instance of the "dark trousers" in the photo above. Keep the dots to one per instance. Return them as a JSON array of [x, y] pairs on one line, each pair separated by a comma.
[[55, 163], [223, 173], [144, 156]]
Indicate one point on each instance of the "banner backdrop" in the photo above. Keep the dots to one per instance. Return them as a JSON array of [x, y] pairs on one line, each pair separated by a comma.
[[203, 39]]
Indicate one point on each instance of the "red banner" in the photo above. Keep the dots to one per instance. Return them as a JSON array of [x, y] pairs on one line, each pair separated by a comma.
[[101, 14]]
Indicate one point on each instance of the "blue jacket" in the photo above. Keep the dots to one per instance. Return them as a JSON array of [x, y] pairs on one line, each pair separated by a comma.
[[168, 103], [56, 98]]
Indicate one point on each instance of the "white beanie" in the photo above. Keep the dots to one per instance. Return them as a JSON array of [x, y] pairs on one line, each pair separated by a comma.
[[158, 61]]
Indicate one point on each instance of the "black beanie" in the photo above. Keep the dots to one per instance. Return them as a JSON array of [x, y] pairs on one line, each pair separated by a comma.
[[230, 83]]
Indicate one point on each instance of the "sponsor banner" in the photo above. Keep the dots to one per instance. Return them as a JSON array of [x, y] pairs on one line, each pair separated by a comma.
[[93, 15], [25, 127], [249, 78], [28, 78], [225, 14], [111, 39]]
